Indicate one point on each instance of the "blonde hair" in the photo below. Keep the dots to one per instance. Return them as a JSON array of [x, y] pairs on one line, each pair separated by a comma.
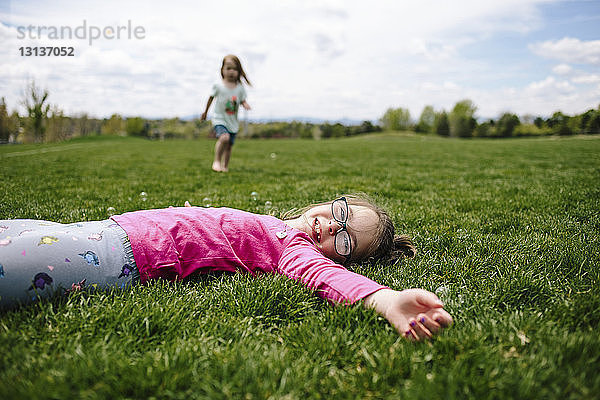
[[386, 246], [238, 66]]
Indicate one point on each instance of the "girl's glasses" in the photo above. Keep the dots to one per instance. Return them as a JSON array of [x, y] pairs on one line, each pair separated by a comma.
[[343, 244]]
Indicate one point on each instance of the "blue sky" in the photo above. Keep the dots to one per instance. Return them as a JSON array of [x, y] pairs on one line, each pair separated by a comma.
[[327, 59]]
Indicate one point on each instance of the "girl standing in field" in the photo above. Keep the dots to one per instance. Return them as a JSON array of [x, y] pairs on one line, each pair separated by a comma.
[[39, 258], [229, 94]]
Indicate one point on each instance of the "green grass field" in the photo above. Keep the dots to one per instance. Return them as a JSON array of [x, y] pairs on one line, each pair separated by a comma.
[[508, 233]]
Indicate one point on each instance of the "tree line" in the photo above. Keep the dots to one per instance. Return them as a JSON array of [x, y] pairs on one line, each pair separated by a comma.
[[44, 122], [462, 122]]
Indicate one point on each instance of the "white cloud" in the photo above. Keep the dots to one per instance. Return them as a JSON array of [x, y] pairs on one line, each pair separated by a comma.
[[586, 78], [431, 51], [570, 50], [575, 76], [541, 97], [549, 86], [562, 69]]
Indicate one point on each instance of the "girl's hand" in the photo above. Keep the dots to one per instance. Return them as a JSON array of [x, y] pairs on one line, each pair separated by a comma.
[[246, 105], [415, 313]]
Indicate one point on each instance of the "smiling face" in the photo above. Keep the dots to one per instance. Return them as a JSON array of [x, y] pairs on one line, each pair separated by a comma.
[[362, 225]]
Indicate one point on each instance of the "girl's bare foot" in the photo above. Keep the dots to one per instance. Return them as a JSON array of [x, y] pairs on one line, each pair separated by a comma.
[[216, 166]]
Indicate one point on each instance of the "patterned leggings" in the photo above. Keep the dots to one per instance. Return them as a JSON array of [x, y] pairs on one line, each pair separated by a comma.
[[41, 258]]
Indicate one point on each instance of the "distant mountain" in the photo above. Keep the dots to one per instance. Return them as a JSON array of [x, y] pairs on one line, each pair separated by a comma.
[[306, 120]]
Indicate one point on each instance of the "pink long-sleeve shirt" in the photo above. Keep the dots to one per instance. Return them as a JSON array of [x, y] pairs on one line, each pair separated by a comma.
[[173, 243]]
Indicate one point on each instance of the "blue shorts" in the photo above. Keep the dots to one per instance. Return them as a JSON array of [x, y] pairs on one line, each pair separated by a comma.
[[221, 129]]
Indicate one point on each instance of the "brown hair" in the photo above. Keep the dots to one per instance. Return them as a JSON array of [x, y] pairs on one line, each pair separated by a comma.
[[238, 66], [386, 246]]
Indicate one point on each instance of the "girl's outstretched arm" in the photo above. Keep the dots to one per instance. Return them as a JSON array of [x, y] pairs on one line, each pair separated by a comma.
[[415, 313], [246, 105], [210, 100]]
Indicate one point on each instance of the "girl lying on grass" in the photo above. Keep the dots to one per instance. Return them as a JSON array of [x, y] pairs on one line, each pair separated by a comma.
[[38, 258]]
